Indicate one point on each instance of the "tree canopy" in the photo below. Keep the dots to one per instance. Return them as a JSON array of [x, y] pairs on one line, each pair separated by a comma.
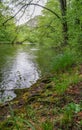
[[59, 24]]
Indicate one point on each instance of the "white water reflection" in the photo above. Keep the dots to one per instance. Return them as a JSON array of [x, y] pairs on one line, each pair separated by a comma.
[[22, 73]]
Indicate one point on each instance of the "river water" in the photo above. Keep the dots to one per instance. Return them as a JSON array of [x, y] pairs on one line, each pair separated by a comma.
[[20, 67]]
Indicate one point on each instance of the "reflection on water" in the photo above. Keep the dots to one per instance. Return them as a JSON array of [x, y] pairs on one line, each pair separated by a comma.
[[21, 66], [19, 71]]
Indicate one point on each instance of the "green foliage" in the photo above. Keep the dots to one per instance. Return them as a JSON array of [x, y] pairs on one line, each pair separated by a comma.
[[74, 17], [7, 30], [16, 122], [81, 122], [30, 112], [47, 125], [49, 33], [49, 26], [63, 81], [27, 34], [64, 61], [50, 30], [73, 107], [69, 111]]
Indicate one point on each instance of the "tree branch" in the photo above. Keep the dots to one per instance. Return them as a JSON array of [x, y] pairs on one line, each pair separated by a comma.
[[36, 4], [47, 9]]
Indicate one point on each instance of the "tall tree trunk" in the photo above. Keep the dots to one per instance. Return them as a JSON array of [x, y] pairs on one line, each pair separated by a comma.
[[63, 5]]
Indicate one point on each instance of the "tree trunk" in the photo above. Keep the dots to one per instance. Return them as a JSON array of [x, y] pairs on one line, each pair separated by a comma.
[[63, 5]]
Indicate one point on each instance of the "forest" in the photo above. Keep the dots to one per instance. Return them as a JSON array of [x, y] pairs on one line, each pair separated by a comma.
[[41, 65]]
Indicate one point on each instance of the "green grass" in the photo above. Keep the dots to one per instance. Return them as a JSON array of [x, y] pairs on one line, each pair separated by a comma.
[[47, 125], [17, 122], [64, 61], [64, 80], [69, 111], [30, 113]]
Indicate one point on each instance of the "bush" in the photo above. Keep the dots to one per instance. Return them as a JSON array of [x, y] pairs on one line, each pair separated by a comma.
[[64, 61]]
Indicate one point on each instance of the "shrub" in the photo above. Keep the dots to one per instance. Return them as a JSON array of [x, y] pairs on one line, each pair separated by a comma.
[[64, 61]]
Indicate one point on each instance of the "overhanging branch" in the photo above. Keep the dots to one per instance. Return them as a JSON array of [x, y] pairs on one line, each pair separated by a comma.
[[29, 4], [47, 9]]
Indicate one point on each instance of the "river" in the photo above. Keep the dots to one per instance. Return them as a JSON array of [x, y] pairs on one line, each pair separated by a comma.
[[20, 67]]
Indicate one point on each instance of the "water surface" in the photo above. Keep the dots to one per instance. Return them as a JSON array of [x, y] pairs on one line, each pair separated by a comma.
[[20, 67]]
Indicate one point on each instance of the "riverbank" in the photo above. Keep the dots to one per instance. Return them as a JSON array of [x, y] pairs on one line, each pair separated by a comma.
[[47, 105]]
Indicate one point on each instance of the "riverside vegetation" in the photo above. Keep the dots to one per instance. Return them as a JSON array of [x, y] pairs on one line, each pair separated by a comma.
[[54, 102]]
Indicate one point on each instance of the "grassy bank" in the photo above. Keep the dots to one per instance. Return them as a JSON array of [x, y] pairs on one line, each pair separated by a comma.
[[53, 103]]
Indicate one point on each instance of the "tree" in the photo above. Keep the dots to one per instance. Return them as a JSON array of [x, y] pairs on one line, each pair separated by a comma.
[[7, 31], [56, 17], [63, 6], [50, 26], [70, 25]]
